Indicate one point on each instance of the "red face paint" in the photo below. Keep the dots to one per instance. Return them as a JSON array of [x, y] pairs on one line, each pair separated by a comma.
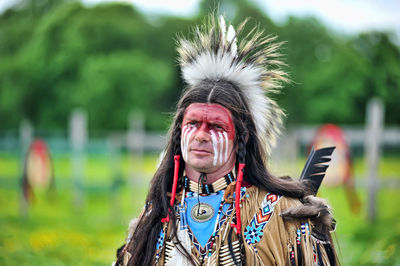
[[209, 117], [207, 139]]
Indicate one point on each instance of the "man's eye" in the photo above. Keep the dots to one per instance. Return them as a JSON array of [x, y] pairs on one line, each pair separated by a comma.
[[218, 127], [192, 124]]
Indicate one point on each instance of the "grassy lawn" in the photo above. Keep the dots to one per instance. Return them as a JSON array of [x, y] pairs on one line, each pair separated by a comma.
[[55, 231]]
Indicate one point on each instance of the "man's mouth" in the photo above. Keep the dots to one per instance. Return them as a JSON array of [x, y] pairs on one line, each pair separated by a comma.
[[200, 151]]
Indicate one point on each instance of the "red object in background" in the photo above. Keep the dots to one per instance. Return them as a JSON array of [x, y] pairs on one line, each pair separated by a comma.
[[39, 165], [38, 169], [340, 171]]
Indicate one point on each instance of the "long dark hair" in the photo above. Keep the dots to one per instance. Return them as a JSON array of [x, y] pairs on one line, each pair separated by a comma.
[[249, 151]]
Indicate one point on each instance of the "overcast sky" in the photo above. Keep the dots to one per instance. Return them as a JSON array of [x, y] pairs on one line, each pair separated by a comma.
[[346, 16]]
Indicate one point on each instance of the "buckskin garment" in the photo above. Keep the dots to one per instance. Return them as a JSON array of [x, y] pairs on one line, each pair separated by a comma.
[[276, 230]]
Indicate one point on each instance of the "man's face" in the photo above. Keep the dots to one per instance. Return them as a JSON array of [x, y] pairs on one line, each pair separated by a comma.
[[207, 138]]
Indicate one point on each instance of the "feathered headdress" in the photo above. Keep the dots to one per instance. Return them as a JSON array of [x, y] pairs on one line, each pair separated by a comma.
[[251, 63]]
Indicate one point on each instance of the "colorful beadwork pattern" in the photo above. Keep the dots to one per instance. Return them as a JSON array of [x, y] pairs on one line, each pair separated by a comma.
[[254, 231], [160, 239], [160, 244]]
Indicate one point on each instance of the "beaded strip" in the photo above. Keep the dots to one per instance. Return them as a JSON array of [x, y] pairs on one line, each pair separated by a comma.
[[298, 239], [254, 231], [292, 256], [160, 242]]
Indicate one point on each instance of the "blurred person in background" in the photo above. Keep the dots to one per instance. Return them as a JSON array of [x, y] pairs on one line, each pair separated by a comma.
[[212, 200]]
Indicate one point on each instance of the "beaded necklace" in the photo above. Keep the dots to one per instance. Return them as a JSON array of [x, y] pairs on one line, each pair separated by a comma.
[[220, 184]]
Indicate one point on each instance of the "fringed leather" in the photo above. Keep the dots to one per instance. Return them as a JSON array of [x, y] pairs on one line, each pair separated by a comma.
[[304, 230], [303, 249], [312, 243]]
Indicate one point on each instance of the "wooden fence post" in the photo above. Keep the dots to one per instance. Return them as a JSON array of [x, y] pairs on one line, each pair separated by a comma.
[[78, 138], [25, 139], [374, 130], [135, 142], [115, 142], [285, 155]]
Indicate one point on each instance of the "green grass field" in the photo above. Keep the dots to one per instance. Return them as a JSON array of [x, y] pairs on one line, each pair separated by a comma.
[[56, 231]]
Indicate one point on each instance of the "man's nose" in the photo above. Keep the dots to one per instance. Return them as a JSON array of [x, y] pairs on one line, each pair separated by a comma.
[[202, 134]]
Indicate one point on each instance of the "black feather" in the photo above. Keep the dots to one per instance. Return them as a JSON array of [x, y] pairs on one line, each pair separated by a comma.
[[316, 165]]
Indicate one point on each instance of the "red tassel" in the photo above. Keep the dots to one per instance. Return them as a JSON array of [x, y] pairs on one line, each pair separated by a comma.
[[176, 174], [174, 185], [237, 198]]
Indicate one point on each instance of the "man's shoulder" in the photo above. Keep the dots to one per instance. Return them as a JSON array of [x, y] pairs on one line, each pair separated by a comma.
[[261, 205], [259, 197], [291, 209]]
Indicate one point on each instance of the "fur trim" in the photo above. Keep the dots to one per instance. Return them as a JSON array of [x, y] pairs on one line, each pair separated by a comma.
[[252, 64], [131, 229], [312, 208], [319, 213]]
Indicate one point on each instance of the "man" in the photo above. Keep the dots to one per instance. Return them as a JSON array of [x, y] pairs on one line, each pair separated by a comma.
[[212, 200]]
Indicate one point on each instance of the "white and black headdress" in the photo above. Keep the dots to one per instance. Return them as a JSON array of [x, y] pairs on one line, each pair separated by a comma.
[[251, 63]]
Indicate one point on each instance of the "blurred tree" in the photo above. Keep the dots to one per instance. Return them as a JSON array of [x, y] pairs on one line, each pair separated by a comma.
[[110, 59], [382, 77], [163, 43], [86, 57], [326, 74], [335, 76], [112, 85]]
